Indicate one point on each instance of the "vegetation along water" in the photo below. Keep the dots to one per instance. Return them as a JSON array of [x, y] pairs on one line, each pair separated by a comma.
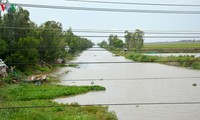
[[134, 48], [37, 49]]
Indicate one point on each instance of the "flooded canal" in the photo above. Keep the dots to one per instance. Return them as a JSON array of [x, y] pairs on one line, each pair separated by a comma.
[[134, 83]]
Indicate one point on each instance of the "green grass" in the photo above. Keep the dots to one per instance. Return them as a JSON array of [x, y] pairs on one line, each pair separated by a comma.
[[173, 45], [61, 112], [24, 92], [16, 95], [183, 61]]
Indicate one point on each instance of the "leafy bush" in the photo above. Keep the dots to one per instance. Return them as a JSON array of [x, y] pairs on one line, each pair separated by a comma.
[[196, 65]]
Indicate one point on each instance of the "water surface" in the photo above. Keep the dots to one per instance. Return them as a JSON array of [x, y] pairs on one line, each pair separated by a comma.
[[135, 83]]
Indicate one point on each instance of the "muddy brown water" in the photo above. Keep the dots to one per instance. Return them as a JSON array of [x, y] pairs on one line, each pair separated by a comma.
[[130, 83]]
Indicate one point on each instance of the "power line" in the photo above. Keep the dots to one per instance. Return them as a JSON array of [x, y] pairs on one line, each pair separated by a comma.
[[38, 28], [132, 3], [112, 31], [107, 9], [106, 36], [108, 104], [128, 79], [44, 48], [108, 62], [99, 36], [76, 31], [131, 62]]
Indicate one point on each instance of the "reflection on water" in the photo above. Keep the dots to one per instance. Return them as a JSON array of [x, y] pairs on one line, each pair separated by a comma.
[[120, 88]]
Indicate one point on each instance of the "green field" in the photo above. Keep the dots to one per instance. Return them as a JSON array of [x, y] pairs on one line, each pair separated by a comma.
[[173, 45]]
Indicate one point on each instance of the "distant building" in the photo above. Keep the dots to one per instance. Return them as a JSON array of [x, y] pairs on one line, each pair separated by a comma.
[[3, 66]]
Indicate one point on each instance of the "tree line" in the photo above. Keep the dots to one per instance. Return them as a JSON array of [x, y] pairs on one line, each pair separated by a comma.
[[24, 42], [133, 41]]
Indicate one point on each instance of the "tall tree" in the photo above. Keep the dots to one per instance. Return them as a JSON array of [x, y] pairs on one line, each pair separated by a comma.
[[3, 48], [19, 18], [134, 40], [14, 27], [22, 41], [76, 43], [138, 39], [129, 40], [51, 36], [115, 41], [25, 53], [103, 44], [110, 40]]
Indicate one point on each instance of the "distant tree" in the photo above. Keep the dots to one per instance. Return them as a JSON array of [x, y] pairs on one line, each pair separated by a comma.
[[129, 40], [76, 43], [138, 39], [115, 41], [103, 44], [134, 40], [110, 40], [118, 43]]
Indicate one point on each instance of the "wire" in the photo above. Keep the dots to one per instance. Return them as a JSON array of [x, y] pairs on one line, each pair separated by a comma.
[[70, 63], [131, 3], [121, 49], [110, 31], [38, 28], [106, 36], [107, 9], [76, 31], [133, 62], [128, 79], [145, 36], [108, 104]]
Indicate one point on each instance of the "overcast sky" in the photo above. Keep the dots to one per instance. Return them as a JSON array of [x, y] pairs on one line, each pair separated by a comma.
[[116, 21]]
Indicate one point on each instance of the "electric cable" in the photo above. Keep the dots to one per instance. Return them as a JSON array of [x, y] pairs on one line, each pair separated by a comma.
[[113, 31], [108, 9], [128, 79], [133, 3], [108, 104]]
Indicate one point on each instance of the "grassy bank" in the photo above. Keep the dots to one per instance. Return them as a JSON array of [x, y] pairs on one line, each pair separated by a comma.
[[17, 95], [61, 112], [24, 92], [183, 61]]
